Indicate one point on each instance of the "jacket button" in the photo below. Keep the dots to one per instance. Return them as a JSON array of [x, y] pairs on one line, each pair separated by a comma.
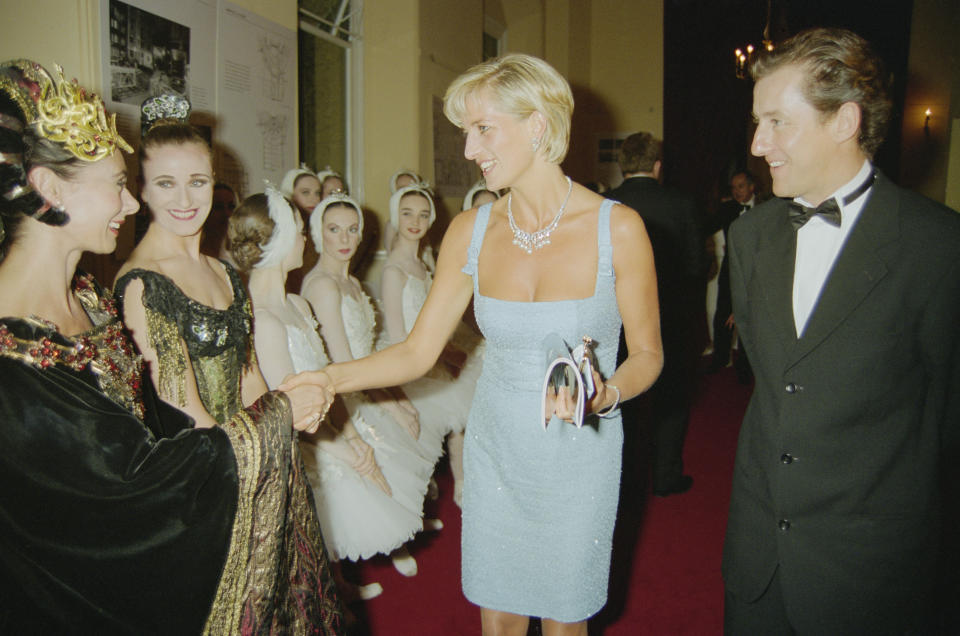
[[786, 458], [784, 525], [790, 388]]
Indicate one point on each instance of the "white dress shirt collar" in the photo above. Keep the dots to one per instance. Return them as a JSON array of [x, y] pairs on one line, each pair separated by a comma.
[[819, 244]]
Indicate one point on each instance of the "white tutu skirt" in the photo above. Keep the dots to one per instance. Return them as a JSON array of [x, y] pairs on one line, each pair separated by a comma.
[[357, 518], [444, 401], [443, 398]]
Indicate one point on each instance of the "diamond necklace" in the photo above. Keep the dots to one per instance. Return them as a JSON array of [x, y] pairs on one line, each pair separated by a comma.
[[529, 241]]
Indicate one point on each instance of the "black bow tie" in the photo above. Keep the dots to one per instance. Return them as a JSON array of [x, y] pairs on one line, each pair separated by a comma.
[[829, 209], [800, 214]]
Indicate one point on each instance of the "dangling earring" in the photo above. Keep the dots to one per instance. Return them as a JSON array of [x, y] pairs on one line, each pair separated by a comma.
[[535, 145]]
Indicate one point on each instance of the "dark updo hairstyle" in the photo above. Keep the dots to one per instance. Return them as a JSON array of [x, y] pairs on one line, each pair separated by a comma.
[[249, 229]]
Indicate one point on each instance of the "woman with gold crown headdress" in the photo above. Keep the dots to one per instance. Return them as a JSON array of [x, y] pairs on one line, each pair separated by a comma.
[[109, 489]]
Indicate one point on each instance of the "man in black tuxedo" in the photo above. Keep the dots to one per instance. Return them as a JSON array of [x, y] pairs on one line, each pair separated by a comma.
[[847, 299], [743, 190], [670, 217]]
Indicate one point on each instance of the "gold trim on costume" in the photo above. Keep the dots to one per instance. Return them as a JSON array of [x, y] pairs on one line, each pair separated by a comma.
[[64, 112], [171, 358]]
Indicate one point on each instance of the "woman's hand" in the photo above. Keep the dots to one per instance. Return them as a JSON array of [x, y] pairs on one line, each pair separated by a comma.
[[564, 406], [366, 464], [309, 401], [409, 421], [603, 397], [408, 406]]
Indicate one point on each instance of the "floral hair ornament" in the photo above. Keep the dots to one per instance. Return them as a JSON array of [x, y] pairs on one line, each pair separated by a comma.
[[284, 229], [423, 189], [61, 111], [316, 217], [163, 109]]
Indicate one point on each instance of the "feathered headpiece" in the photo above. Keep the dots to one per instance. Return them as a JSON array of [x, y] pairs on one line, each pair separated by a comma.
[[316, 217], [421, 188], [290, 179], [284, 229]]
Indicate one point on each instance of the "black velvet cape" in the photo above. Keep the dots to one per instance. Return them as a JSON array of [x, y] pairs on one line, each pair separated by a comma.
[[107, 524]]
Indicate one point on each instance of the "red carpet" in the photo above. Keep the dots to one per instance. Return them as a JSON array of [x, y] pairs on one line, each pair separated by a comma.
[[666, 561]]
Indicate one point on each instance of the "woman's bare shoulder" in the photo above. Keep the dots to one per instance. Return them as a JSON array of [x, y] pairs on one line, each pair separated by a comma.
[[319, 284], [393, 273], [625, 221], [136, 261]]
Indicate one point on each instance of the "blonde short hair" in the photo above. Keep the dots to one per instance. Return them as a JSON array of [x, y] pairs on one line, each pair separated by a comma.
[[521, 84]]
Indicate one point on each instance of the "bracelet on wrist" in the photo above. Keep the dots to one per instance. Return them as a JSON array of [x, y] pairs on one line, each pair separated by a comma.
[[607, 412]]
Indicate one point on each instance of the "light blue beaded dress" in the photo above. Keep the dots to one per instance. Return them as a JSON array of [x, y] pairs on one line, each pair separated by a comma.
[[539, 506]]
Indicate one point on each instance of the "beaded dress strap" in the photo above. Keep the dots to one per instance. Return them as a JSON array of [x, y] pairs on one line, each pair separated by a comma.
[[605, 247], [476, 240]]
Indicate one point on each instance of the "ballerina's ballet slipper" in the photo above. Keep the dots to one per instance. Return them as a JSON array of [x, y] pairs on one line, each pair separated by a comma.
[[404, 562], [458, 493], [369, 591]]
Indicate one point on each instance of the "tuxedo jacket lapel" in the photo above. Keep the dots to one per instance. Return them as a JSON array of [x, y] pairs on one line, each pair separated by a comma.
[[860, 266], [774, 277]]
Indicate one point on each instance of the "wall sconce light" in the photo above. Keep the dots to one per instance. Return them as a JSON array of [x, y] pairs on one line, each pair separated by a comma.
[[926, 122], [742, 58]]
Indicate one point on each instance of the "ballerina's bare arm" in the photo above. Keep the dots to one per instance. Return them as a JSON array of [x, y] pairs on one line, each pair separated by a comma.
[[636, 290], [340, 439], [448, 298], [252, 383], [273, 353], [392, 282], [135, 317], [324, 297]]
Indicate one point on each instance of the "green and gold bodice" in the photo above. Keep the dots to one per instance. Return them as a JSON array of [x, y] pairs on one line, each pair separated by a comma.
[[218, 342]]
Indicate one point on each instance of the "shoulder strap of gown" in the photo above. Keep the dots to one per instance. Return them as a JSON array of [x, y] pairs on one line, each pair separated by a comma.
[[605, 255], [479, 229]]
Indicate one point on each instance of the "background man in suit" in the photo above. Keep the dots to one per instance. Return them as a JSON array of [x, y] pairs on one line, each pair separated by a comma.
[[670, 217], [743, 190], [851, 322]]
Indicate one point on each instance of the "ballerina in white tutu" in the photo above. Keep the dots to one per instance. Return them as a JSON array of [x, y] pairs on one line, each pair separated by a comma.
[[368, 480], [348, 324], [446, 392]]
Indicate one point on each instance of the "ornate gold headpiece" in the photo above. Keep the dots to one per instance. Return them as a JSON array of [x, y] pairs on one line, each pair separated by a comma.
[[65, 113]]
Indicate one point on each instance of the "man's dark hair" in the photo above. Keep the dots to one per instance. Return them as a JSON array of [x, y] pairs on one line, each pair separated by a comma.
[[639, 152], [745, 173], [840, 67]]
